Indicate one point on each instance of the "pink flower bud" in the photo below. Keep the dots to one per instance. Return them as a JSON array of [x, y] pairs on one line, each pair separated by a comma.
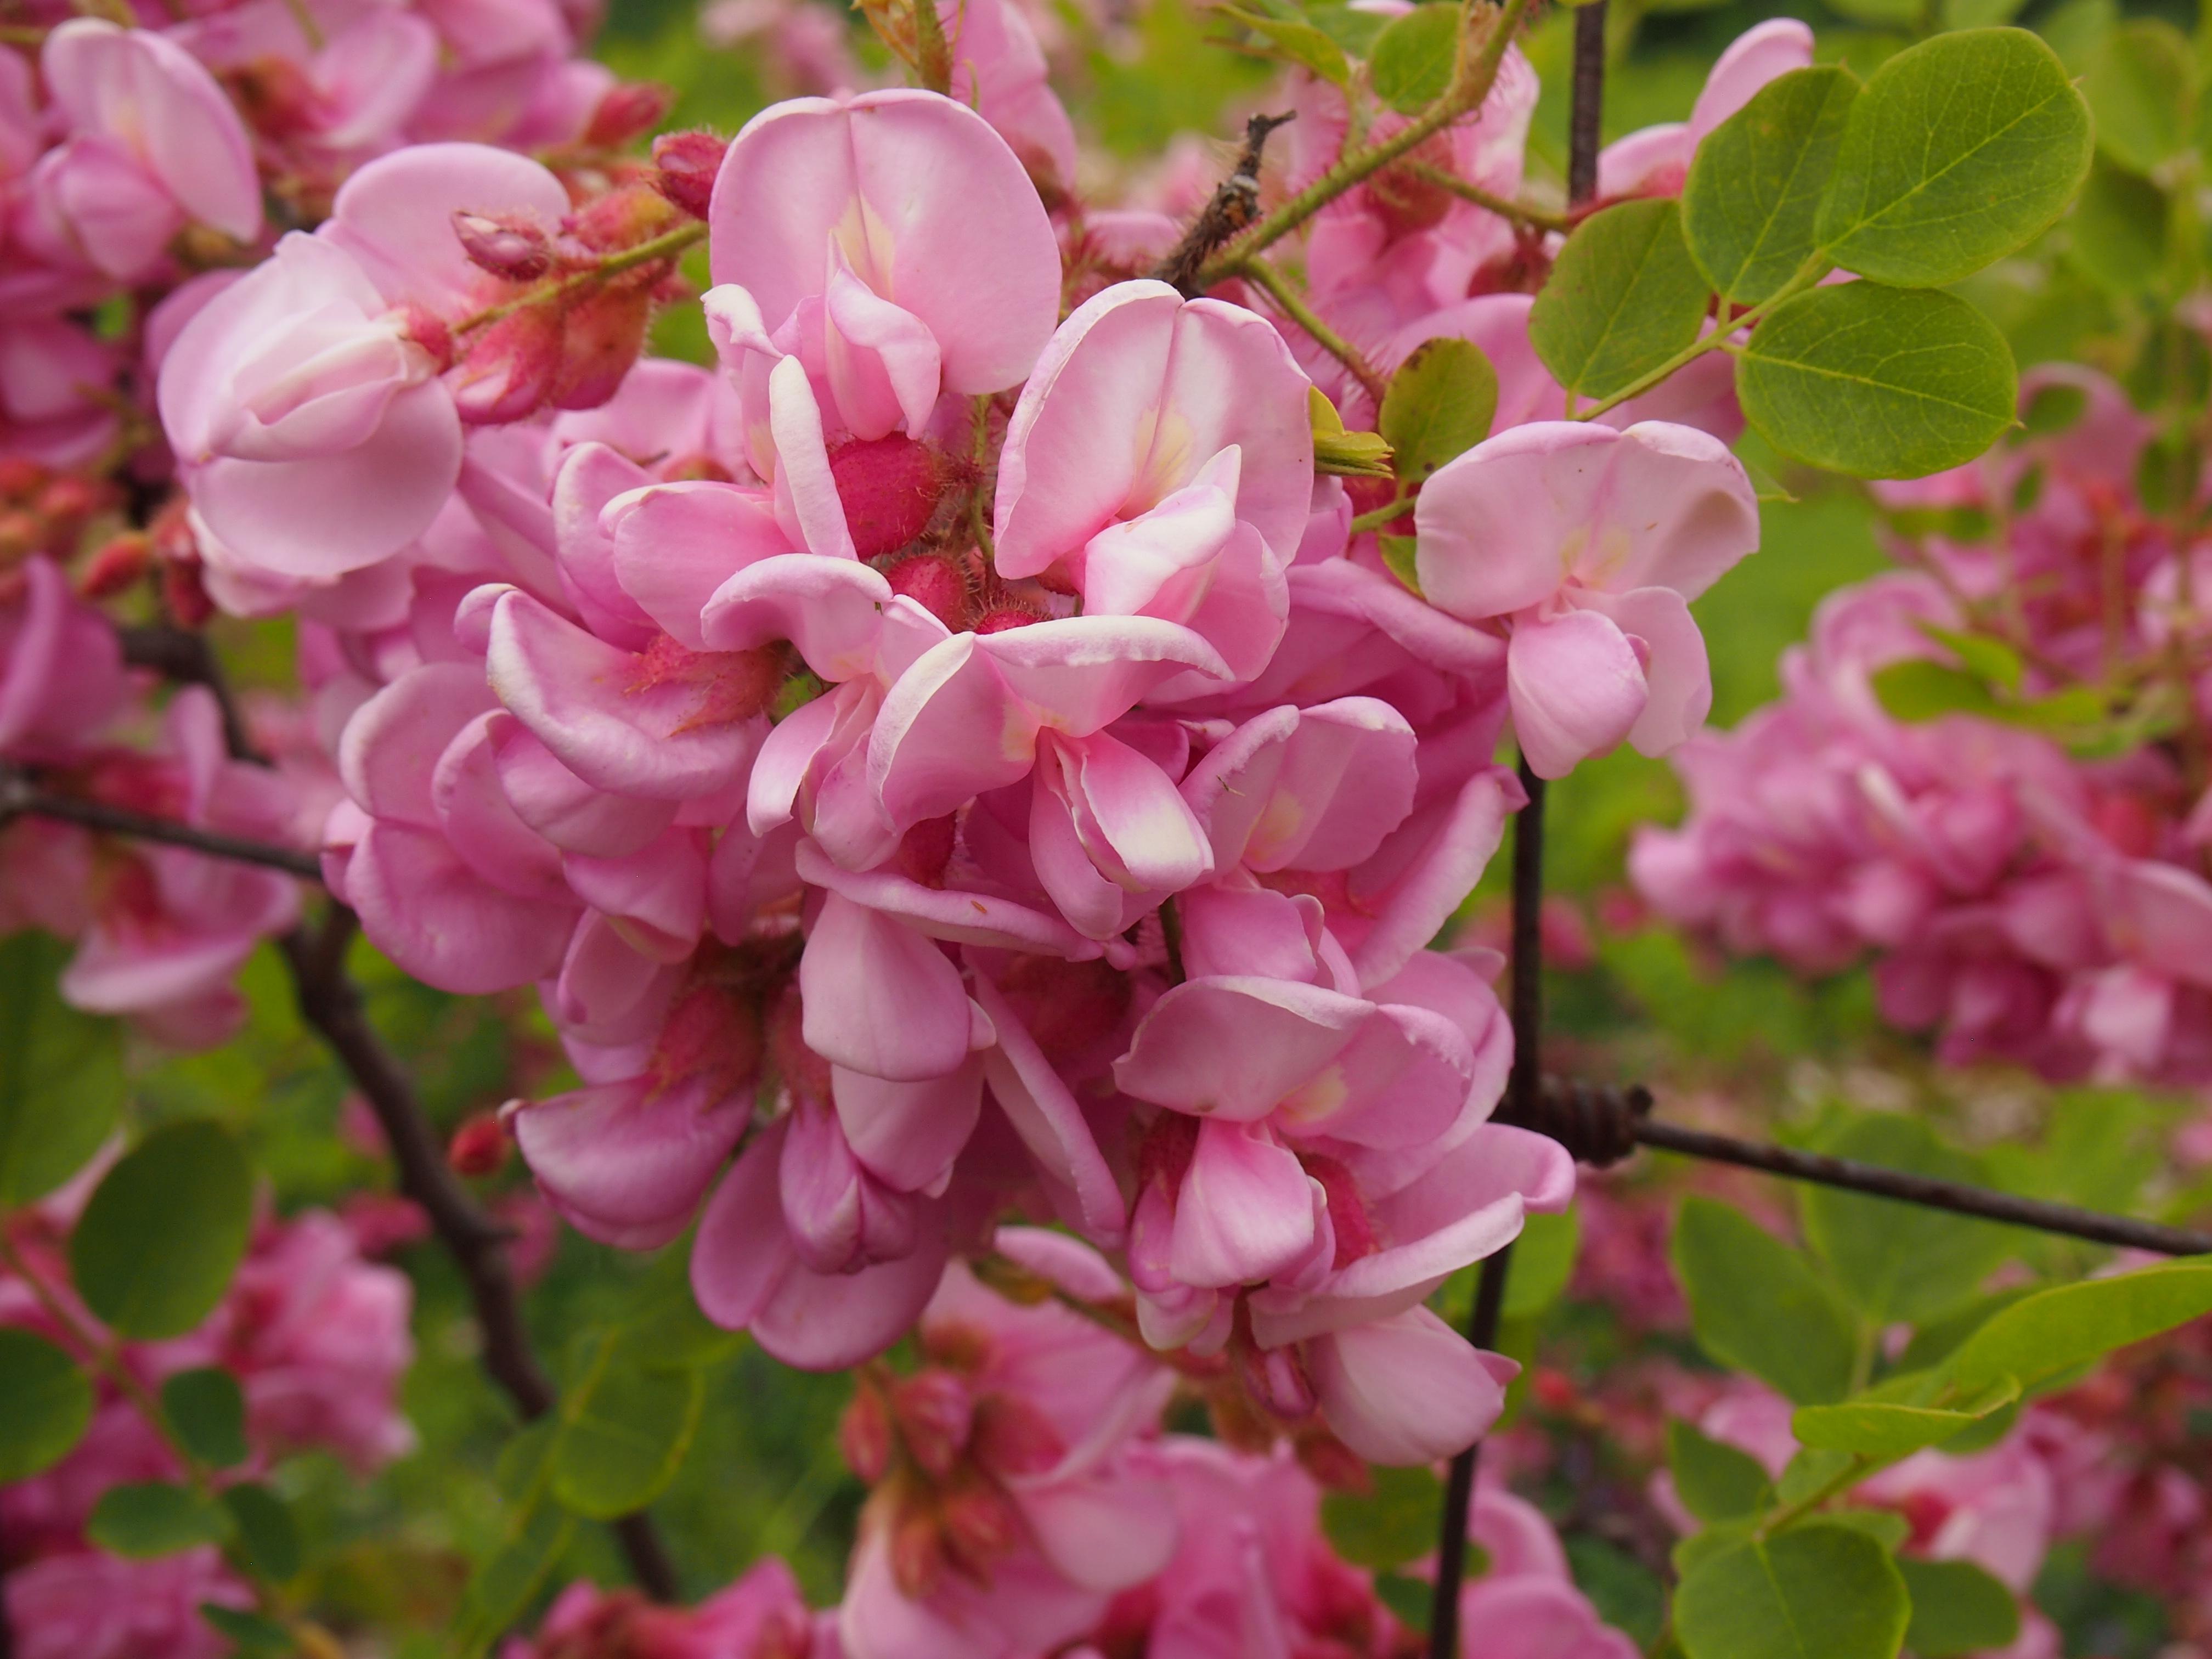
[[687, 163], [603, 337], [479, 1146], [936, 584], [935, 1413], [509, 369], [1013, 1437], [1274, 1378], [926, 849], [506, 244], [980, 1525], [627, 111], [917, 1554], [121, 564], [890, 487], [864, 1433], [621, 218]]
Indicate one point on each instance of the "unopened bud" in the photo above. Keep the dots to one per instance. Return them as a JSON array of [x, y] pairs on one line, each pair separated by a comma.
[[20, 480], [67, 502], [890, 487], [511, 368], [21, 534], [936, 584], [120, 564], [627, 111], [1335, 1464], [1001, 617], [979, 1525], [621, 218], [606, 334], [689, 162], [479, 1146], [934, 1412], [864, 1433], [1274, 1378], [506, 244], [926, 849], [1013, 1437], [185, 595], [917, 1554]]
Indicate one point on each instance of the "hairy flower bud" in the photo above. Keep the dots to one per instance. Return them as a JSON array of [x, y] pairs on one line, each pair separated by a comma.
[[890, 487], [509, 370], [120, 564], [935, 1413], [605, 335], [627, 111], [980, 1525], [864, 1433], [936, 584], [1274, 1378], [506, 244], [687, 163]]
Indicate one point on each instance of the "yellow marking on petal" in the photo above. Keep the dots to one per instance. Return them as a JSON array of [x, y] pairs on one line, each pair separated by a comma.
[[1321, 1095]]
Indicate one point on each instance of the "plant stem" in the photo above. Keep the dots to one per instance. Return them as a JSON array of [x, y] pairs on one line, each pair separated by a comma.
[[1534, 218], [1294, 307], [1474, 73], [1717, 340], [668, 244], [1388, 513], [1586, 122], [1860, 1467], [19, 798]]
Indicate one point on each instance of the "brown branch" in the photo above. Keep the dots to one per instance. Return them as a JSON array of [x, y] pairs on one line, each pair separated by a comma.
[[20, 797], [1586, 119], [1234, 205], [180, 654]]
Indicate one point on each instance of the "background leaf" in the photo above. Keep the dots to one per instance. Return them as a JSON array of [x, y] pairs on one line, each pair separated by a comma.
[[1756, 1303], [1715, 1482], [164, 1231], [1815, 1592], [1438, 405], [1410, 64], [1899, 1261], [148, 1518], [1957, 1608], [45, 1403], [623, 1438], [2141, 88], [61, 1073], [1395, 1523]]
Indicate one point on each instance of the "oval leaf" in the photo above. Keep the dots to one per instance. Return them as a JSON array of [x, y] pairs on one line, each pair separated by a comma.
[[267, 1538], [1886, 1428], [1624, 297], [1756, 182], [1959, 150], [206, 1409], [1438, 405], [2141, 88], [1899, 1261], [1410, 62], [45, 1404], [1814, 1592], [1389, 1526], [2118, 230], [623, 1440], [2047, 1334], [1878, 382], [1958, 1607], [61, 1073], [153, 1517], [1715, 1482], [165, 1230], [1757, 1304]]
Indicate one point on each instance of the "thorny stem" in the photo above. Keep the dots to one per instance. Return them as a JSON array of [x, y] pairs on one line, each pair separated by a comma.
[[1532, 218], [1473, 75], [1293, 306], [667, 245]]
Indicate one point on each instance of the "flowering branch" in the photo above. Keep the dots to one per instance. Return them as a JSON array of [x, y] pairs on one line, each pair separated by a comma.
[[669, 244], [20, 797], [1286, 298], [1473, 75], [1234, 203]]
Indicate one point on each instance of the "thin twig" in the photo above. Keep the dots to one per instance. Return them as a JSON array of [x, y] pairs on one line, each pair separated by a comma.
[[1520, 213], [1587, 119], [180, 654], [1524, 1089], [1292, 306], [18, 798], [1233, 206]]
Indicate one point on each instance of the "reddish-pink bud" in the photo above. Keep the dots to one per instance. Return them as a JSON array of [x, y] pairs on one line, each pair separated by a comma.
[[626, 111], [864, 1433], [926, 849], [1003, 616], [183, 594], [934, 1412], [68, 501], [917, 1554], [22, 479], [621, 218], [936, 584], [506, 243], [1274, 1378], [689, 162], [121, 563], [605, 335], [478, 1146], [510, 370], [890, 487], [1347, 1212], [1013, 1437], [979, 1525]]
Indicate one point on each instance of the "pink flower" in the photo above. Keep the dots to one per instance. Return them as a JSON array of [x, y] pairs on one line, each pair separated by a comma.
[[998, 71], [61, 670], [1591, 542], [152, 144], [91, 1605], [52, 375], [1524, 1605], [1655, 160], [760, 1616]]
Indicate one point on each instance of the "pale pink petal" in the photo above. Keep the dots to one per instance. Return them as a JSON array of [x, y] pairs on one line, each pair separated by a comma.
[[675, 543], [1048, 1118], [879, 997], [630, 1160], [1245, 1208], [1236, 1047], [1679, 685], [391, 744], [1408, 1389], [441, 922], [907, 1134], [1577, 688], [396, 217]]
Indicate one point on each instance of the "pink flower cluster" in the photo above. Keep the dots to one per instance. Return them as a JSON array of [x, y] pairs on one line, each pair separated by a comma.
[[1026, 1501], [2025, 900], [318, 1340]]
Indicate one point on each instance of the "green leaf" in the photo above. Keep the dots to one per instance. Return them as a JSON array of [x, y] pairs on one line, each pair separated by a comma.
[[1809, 1473], [1543, 1262], [1878, 382], [1820, 1591], [1957, 1608], [499, 1589], [1395, 1523], [268, 1538], [1411, 1601], [1756, 182], [1399, 558], [1899, 1261], [1345, 454], [1624, 297], [2045, 1335], [165, 1230], [61, 1073], [1993, 662], [1979, 13], [1913, 689], [1410, 65], [1959, 150], [1886, 1527], [208, 1412], [622, 1439], [1880, 14], [153, 1517], [1715, 1482], [1894, 1428], [1302, 43], [2053, 409], [1438, 405], [1757, 1304], [253, 1633], [1939, 1338], [45, 1405], [2118, 230], [2141, 88]]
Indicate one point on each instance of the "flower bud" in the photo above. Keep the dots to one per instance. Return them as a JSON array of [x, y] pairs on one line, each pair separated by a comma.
[[120, 564], [689, 162], [606, 334], [478, 1146], [509, 370], [185, 595], [979, 1525], [20, 480], [621, 218], [1274, 1378], [1408, 201], [935, 1413], [864, 1433], [1013, 1437], [890, 487], [917, 1553], [1005, 615], [936, 584], [627, 111], [926, 849], [506, 244]]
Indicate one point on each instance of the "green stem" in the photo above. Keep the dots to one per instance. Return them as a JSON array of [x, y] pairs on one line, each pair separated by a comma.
[[666, 245], [1474, 73], [1294, 307], [1389, 513], [1807, 276], [1519, 212], [1860, 1467]]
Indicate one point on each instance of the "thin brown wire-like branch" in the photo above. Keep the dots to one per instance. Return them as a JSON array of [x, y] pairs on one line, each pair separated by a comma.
[[21, 798], [331, 1003]]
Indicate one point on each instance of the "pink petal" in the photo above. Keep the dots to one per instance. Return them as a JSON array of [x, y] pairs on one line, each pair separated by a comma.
[[1245, 1208], [675, 543], [629, 1161], [830, 609], [396, 217], [879, 997], [1680, 683], [907, 1134], [440, 921], [1236, 1047], [1577, 690], [1046, 1117], [1408, 1389], [561, 806], [391, 744]]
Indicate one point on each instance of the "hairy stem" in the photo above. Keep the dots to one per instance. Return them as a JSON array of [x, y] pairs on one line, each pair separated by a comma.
[[1293, 306], [669, 244], [1520, 213]]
